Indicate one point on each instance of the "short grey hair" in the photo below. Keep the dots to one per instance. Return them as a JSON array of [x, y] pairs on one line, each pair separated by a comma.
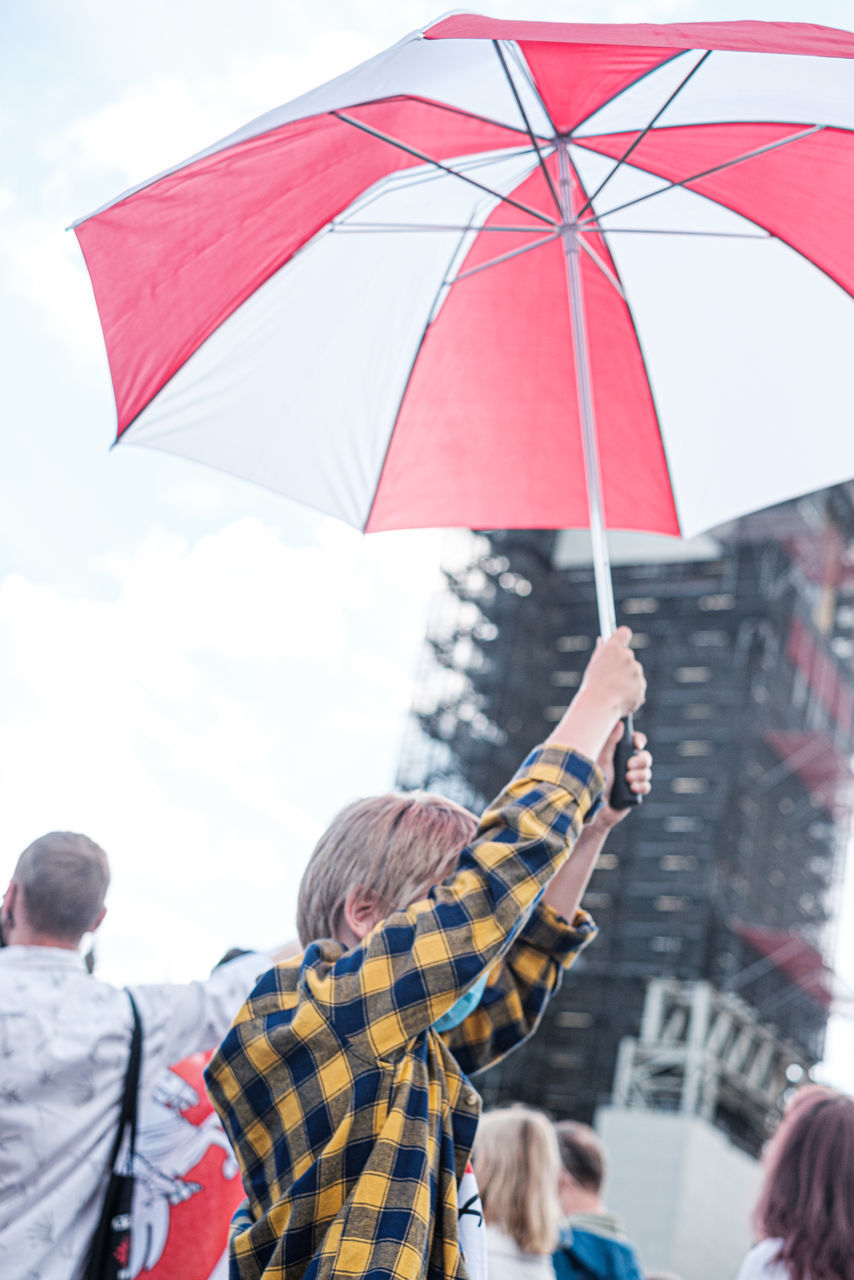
[[392, 845], [63, 877]]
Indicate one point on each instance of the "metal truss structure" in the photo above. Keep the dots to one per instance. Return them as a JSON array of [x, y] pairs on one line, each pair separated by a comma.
[[706, 1054]]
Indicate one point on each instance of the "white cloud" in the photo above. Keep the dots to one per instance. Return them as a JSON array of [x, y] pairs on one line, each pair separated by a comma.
[[384, 675], [648, 10], [43, 265], [183, 712], [153, 125], [160, 122], [196, 496], [239, 593]]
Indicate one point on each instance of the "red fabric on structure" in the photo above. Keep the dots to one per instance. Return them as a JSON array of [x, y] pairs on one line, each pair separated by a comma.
[[802, 192], [794, 956], [577, 79], [813, 757], [173, 260], [468, 448], [744, 36], [822, 675]]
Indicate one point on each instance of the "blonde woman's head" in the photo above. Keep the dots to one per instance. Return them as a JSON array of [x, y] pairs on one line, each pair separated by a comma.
[[516, 1164], [377, 856]]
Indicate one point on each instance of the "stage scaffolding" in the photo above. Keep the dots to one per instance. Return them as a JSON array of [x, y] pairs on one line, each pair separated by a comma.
[[727, 876]]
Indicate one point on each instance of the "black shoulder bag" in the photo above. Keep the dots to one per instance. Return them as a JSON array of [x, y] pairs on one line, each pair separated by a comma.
[[109, 1252]]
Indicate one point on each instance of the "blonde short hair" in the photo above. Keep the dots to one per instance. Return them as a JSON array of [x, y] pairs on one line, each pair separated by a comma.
[[516, 1164], [392, 845]]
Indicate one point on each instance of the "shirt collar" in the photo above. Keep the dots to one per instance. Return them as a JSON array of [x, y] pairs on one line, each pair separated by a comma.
[[42, 957]]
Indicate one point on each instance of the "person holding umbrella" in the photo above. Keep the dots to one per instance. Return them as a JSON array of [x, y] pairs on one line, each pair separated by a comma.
[[433, 943]]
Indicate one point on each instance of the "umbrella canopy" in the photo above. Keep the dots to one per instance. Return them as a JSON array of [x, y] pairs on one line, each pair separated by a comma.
[[401, 297]]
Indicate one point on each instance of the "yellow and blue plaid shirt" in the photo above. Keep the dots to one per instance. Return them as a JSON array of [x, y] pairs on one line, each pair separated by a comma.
[[353, 1119]]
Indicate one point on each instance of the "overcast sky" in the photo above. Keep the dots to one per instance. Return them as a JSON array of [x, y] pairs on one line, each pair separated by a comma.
[[198, 673]]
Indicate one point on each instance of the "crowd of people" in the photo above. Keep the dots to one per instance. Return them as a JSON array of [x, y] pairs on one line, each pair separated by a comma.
[[333, 1075]]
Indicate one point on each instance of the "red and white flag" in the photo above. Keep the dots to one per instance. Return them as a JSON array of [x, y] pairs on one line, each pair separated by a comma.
[[187, 1182]]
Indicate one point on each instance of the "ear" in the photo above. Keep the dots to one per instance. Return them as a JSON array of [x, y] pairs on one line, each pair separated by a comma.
[[362, 910], [100, 918], [567, 1188], [7, 908]]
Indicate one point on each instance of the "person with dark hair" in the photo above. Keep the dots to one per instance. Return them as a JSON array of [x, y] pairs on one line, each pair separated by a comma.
[[805, 1213], [64, 1047], [592, 1245]]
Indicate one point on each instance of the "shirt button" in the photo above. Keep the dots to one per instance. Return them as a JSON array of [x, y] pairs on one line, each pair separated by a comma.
[[470, 1097]]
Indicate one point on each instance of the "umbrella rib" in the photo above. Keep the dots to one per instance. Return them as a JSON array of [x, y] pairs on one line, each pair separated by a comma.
[[504, 257], [611, 276], [603, 267], [588, 204], [418, 176], [438, 164], [631, 318], [439, 106], [534, 143], [525, 72], [705, 173], [667, 231], [407, 179], [426, 226]]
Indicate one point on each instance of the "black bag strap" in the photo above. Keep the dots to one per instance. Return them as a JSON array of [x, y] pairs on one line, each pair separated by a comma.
[[127, 1117]]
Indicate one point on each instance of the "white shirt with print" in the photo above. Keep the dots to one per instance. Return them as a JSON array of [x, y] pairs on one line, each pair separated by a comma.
[[64, 1044]]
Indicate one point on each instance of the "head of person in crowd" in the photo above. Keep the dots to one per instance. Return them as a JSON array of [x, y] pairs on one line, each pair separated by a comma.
[[379, 855], [807, 1195], [56, 893], [583, 1168], [515, 1161], [593, 1242]]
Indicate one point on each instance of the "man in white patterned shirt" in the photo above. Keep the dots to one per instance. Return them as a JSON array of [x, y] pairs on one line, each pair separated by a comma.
[[64, 1045]]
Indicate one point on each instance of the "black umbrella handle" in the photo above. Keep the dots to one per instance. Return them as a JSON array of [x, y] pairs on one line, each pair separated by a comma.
[[622, 796]]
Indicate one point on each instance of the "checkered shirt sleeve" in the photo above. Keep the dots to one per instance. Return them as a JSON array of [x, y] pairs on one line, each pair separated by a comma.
[[519, 988]]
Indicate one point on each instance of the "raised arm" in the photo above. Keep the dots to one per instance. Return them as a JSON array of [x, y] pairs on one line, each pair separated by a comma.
[[416, 963], [521, 985]]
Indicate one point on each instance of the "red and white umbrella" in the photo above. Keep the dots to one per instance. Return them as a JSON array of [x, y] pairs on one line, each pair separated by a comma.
[[509, 274]]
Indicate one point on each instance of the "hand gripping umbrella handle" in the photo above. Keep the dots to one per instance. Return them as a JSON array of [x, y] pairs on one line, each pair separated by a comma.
[[622, 796]]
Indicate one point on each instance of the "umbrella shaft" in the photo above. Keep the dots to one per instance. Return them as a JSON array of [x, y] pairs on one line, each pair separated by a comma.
[[598, 535]]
